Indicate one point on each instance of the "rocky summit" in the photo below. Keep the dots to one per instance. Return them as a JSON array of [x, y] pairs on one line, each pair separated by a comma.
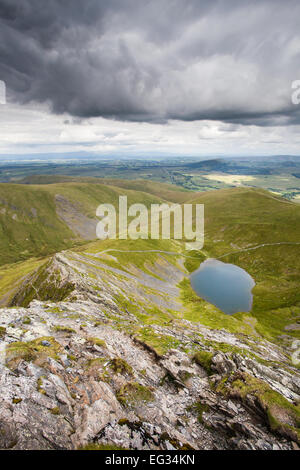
[[96, 353]]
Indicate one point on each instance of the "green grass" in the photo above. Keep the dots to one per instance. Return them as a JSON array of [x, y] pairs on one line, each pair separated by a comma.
[[204, 359], [104, 447], [98, 342], [159, 343], [31, 351], [283, 416], [43, 284], [199, 311], [133, 393], [29, 222], [130, 258], [120, 366], [63, 329], [29, 225], [235, 219], [11, 276]]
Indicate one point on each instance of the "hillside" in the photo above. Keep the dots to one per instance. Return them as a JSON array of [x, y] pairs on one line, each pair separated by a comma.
[[105, 343], [260, 233], [103, 355], [165, 191], [37, 220], [277, 174]]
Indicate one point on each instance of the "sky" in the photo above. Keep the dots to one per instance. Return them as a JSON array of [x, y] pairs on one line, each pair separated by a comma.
[[149, 77]]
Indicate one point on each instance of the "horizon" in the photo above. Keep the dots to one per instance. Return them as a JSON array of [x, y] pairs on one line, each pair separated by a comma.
[[68, 158]]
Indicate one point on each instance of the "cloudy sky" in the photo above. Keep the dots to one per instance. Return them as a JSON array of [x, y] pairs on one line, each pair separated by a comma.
[[149, 77]]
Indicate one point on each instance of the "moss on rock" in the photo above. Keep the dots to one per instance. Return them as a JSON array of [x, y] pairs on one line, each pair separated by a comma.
[[31, 351], [133, 393], [93, 446], [204, 359], [64, 329], [120, 366], [97, 341], [282, 416], [2, 331]]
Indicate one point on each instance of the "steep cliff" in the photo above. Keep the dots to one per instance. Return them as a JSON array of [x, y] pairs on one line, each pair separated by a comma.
[[95, 350]]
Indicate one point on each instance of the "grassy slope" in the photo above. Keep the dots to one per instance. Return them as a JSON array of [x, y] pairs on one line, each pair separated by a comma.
[[167, 192], [235, 220], [11, 277], [31, 228], [30, 225]]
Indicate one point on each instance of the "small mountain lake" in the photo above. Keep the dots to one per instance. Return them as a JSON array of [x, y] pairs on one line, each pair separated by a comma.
[[224, 285]]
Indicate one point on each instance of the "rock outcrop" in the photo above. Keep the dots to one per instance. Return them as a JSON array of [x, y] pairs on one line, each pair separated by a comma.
[[98, 366]]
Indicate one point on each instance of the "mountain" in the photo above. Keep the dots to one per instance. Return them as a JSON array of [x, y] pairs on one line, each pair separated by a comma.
[[165, 191], [37, 220], [104, 356], [104, 344]]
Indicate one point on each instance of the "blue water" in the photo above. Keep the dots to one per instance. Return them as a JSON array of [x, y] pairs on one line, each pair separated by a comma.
[[226, 286]]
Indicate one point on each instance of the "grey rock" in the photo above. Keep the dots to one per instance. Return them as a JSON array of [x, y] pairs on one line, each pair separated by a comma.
[[47, 404]]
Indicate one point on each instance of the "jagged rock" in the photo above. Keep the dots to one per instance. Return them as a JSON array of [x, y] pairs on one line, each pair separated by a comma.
[[66, 390], [223, 364]]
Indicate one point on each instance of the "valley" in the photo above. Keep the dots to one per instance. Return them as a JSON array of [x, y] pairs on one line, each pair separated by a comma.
[[104, 344], [278, 174]]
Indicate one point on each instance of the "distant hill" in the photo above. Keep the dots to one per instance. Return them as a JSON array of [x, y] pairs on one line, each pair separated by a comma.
[[37, 220], [168, 192], [259, 232]]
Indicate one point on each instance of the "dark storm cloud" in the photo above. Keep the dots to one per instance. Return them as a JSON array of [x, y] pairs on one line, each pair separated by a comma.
[[154, 60]]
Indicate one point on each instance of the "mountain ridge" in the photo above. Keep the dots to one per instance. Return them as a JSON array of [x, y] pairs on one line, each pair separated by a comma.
[[108, 361], [105, 343]]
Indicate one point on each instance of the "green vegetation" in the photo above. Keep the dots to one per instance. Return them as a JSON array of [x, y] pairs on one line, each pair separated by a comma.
[[198, 310], [11, 277], [42, 285], [2, 331], [16, 401], [96, 362], [134, 393], [204, 359], [40, 385], [120, 366], [199, 408], [137, 256], [32, 351], [283, 416], [236, 220], [159, 343], [64, 329], [98, 342], [29, 225], [39, 220], [170, 179], [93, 446]]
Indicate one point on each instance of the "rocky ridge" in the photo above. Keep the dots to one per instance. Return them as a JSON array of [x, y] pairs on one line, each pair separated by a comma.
[[91, 354]]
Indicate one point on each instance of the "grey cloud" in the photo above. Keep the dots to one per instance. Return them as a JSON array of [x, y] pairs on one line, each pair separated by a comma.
[[154, 60]]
